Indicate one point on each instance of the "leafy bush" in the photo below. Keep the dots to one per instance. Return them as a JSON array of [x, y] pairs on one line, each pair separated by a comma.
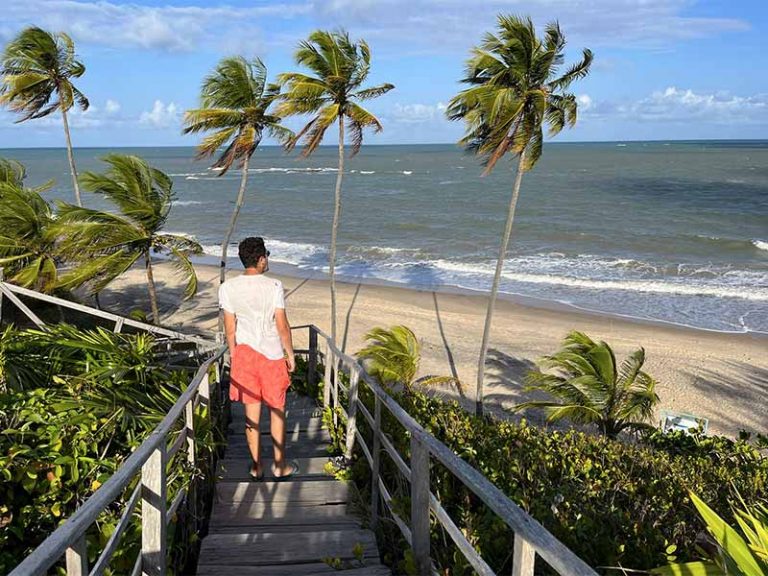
[[612, 503], [73, 406]]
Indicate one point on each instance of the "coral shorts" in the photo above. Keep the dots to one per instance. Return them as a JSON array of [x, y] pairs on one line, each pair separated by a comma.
[[255, 378]]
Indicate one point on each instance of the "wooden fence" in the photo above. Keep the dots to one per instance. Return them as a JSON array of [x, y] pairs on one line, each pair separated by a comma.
[[532, 541]]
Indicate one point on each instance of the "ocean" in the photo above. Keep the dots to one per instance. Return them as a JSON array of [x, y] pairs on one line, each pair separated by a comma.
[[666, 231]]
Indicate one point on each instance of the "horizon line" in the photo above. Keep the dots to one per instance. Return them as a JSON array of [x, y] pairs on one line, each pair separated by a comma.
[[665, 140]]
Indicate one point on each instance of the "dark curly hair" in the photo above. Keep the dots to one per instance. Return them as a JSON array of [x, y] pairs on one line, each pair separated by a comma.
[[251, 250]]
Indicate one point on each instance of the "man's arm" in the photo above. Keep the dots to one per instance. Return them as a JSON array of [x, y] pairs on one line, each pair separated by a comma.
[[284, 329], [230, 325]]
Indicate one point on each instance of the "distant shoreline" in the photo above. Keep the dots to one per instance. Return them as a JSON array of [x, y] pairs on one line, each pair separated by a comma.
[[282, 269]]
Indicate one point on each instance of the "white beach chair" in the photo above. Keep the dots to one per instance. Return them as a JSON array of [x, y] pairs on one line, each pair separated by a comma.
[[678, 421]]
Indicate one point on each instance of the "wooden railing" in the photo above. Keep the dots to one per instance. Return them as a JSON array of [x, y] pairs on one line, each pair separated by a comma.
[[151, 493], [531, 540], [13, 293]]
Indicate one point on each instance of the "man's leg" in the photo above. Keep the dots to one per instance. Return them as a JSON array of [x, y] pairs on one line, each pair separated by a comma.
[[253, 436], [277, 427]]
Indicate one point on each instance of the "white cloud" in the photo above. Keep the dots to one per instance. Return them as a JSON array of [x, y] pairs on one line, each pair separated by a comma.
[[112, 107], [418, 113], [435, 24], [168, 28], [450, 23], [161, 115]]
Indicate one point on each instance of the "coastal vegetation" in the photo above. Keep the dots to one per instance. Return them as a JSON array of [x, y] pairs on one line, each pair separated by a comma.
[[393, 356], [104, 245], [330, 94], [589, 387], [516, 88], [37, 69], [616, 504], [74, 404], [236, 104], [28, 252], [731, 553]]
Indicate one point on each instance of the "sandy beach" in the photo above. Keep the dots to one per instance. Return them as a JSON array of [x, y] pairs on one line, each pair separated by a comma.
[[723, 377]]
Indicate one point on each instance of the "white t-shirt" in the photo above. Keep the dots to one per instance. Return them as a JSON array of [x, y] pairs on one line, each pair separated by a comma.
[[253, 300]]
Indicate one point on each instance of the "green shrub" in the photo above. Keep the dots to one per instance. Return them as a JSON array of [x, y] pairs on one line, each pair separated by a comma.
[[73, 406], [612, 503]]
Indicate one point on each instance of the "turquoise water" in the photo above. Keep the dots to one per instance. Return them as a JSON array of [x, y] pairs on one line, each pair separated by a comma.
[[664, 231]]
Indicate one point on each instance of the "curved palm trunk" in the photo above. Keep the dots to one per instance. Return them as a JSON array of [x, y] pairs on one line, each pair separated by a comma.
[[335, 228], [71, 158], [495, 286], [151, 288], [233, 220]]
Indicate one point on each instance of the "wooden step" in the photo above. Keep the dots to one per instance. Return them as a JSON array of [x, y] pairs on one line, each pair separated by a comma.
[[269, 549], [313, 569], [259, 514], [309, 425], [239, 450], [238, 469], [292, 493], [296, 433]]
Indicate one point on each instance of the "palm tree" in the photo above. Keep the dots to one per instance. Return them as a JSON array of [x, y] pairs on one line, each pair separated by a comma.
[[235, 101], [591, 389], [516, 88], [105, 244], [393, 356], [37, 69], [27, 238], [340, 66]]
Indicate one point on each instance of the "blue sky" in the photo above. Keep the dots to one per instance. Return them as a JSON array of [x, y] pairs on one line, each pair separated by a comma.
[[664, 69]]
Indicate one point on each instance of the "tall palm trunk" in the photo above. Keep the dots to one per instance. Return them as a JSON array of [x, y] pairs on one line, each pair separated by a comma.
[[151, 288], [335, 228], [233, 221], [71, 158], [495, 286]]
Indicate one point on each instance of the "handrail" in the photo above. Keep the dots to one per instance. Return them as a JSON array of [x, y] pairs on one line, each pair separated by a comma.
[[11, 290], [531, 538], [64, 540]]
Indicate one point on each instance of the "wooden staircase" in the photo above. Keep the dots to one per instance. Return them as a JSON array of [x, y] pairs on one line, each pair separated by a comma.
[[296, 527]]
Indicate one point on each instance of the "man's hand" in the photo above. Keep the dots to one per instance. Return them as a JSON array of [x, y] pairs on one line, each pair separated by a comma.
[[290, 360]]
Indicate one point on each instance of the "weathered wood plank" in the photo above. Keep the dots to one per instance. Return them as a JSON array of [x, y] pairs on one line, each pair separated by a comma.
[[257, 514], [292, 426], [292, 450], [238, 469], [293, 493], [295, 437], [274, 548], [313, 569]]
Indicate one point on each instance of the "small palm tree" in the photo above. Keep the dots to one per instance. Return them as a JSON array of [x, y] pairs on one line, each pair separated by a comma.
[[235, 101], [340, 66], [27, 239], [516, 88], [37, 69], [105, 245], [393, 356], [591, 389], [12, 172]]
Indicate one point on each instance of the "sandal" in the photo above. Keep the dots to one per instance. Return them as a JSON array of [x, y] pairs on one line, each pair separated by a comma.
[[294, 469], [255, 477]]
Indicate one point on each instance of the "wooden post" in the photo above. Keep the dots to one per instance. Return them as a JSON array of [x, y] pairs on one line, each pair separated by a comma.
[[154, 501], [420, 506], [312, 359], [376, 462], [2, 279], [77, 558], [189, 417], [119, 325], [524, 557], [205, 392], [327, 376], [354, 379], [335, 378]]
